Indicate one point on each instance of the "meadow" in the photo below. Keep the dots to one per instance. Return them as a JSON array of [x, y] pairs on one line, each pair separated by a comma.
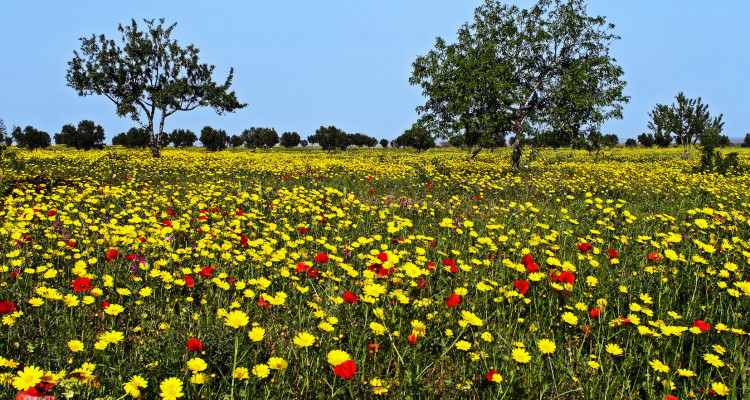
[[373, 274]]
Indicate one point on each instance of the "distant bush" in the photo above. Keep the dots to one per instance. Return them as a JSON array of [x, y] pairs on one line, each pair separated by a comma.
[[86, 136], [31, 138], [214, 139]]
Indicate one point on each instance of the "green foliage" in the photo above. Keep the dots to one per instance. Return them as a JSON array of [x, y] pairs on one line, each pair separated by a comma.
[[150, 73], [214, 139], [182, 138], [712, 160], [260, 137], [236, 141], [417, 137], [361, 140], [133, 138], [383, 143], [330, 138], [303, 143], [290, 139], [610, 140], [646, 139], [746, 142], [662, 140], [688, 120], [630, 142], [87, 136], [547, 68], [5, 138], [31, 138]]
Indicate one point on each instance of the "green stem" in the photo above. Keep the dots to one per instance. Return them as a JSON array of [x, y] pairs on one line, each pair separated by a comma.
[[234, 363]]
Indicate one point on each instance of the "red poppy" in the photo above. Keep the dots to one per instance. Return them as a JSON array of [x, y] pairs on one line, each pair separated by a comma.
[[130, 257], [194, 345], [71, 244], [51, 213], [346, 369], [383, 257], [240, 213], [263, 303], [207, 271], [105, 305], [301, 267], [532, 267], [373, 346], [527, 259], [39, 392], [167, 223], [312, 273], [6, 307], [448, 262], [82, 283], [454, 269], [303, 230], [412, 339], [432, 244], [189, 282], [624, 320], [112, 254], [243, 240], [594, 313], [372, 191], [491, 375], [585, 247], [654, 256], [670, 397], [567, 277], [612, 253], [171, 213], [703, 326], [521, 286], [453, 300], [321, 258], [350, 297]]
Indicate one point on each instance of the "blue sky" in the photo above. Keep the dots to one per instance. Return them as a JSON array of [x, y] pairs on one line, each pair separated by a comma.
[[303, 64]]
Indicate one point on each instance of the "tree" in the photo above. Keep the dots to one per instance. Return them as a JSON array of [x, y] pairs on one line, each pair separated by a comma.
[[610, 140], [150, 74], [214, 139], [303, 143], [330, 138], [5, 138], [646, 139], [418, 137], [134, 138], [746, 142], [236, 141], [87, 136], [290, 139], [182, 138], [630, 142], [688, 120], [516, 68], [383, 143], [31, 138], [260, 137], [723, 141], [662, 140]]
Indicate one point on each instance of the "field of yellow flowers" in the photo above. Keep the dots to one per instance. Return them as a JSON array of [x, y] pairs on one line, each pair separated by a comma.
[[372, 274]]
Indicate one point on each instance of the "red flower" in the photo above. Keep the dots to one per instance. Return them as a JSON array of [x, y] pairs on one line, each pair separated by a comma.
[[491, 375], [585, 247], [412, 339], [532, 267], [654, 256], [670, 397], [527, 259], [453, 300], [303, 230], [373, 346], [567, 277], [171, 213], [448, 262], [422, 283], [321, 258], [350, 297], [105, 305], [167, 223], [82, 283], [130, 257], [189, 282], [51, 213], [112, 254], [263, 303], [346, 369], [312, 273], [372, 191], [240, 213], [207, 271], [6, 307], [243, 240], [454, 269], [612, 253], [702, 325], [194, 345], [432, 244], [521, 286], [594, 313], [383, 257], [301, 266]]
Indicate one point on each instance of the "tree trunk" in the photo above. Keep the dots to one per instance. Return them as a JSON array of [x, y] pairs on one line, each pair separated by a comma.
[[475, 152], [516, 156]]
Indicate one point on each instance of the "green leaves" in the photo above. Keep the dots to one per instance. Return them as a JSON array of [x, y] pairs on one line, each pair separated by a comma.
[[689, 120]]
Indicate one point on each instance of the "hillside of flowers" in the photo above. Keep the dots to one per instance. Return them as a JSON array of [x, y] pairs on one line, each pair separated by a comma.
[[373, 274]]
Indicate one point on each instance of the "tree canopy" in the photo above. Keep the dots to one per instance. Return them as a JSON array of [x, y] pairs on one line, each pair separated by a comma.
[[260, 137], [524, 71], [31, 138], [149, 78], [214, 139], [330, 138], [689, 120], [182, 138], [86, 136], [290, 139], [133, 138]]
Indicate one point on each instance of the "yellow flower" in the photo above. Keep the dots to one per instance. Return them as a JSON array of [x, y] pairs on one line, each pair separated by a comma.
[[378, 328], [112, 337], [569, 318], [336, 357], [658, 366], [236, 319], [304, 339], [29, 377], [70, 300], [713, 359], [374, 290], [720, 388], [198, 378], [719, 349], [277, 363], [418, 328], [546, 346], [256, 334], [75, 346], [520, 355], [463, 345], [114, 309], [593, 364], [241, 373], [261, 371], [171, 389], [196, 364], [685, 372], [36, 302], [613, 349], [379, 386], [133, 386], [486, 336], [471, 318]]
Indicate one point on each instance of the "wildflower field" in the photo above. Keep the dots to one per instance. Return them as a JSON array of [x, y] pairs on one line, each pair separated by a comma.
[[373, 274]]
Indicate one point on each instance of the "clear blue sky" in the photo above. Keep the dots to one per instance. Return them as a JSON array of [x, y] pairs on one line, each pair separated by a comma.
[[303, 64]]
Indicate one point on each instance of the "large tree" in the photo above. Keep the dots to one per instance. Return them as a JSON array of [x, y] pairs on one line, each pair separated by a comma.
[[290, 139], [31, 138], [87, 136], [150, 78], [260, 137], [330, 138], [689, 120], [521, 71]]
